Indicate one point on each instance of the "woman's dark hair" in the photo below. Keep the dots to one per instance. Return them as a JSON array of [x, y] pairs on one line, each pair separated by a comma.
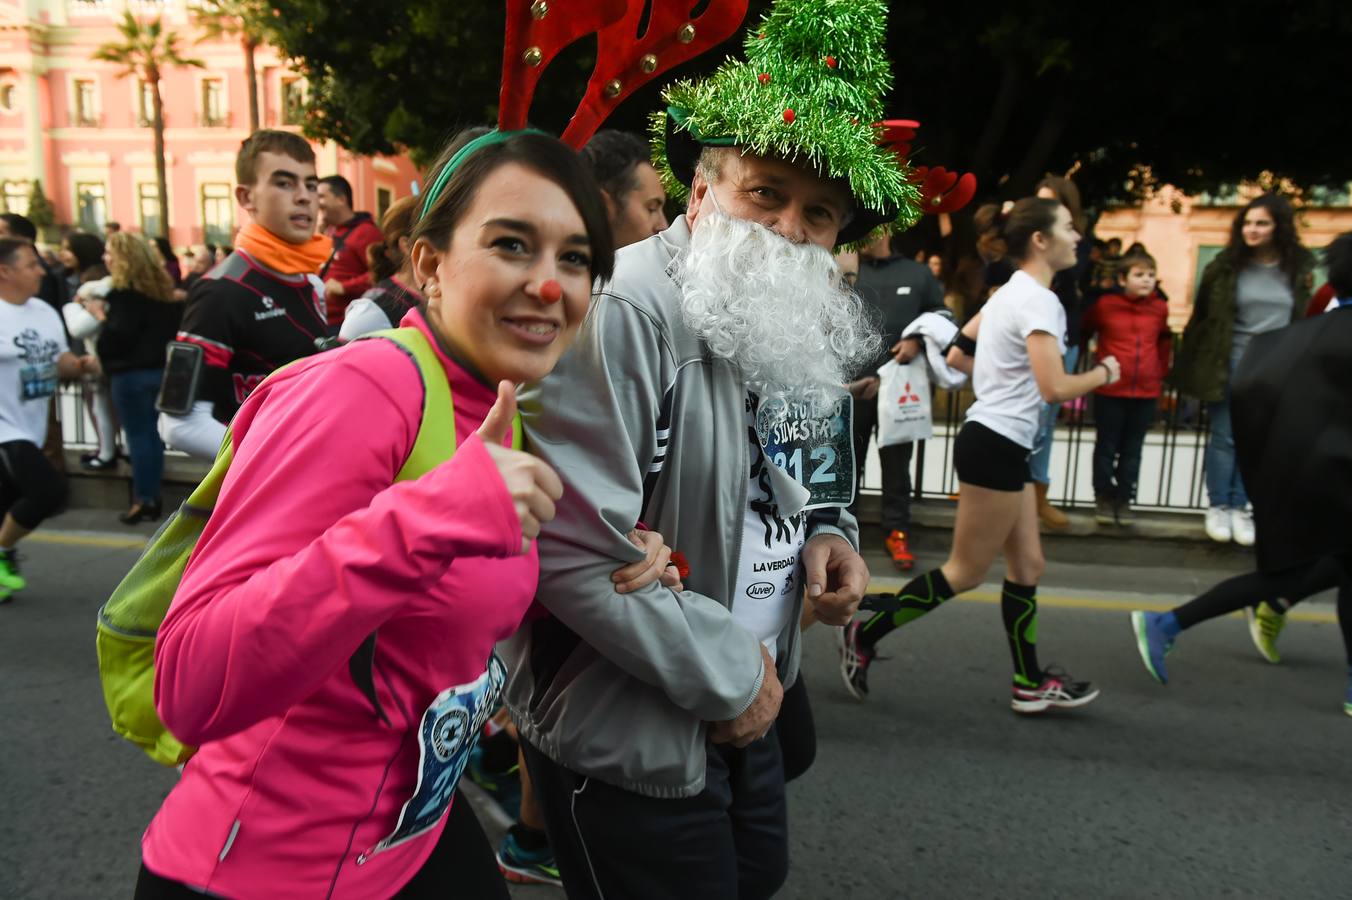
[[384, 258], [1029, 216], [1338, 260], [612, 156], [166, 249], [989, 244], [1069, 195], [87, 249], [1290, 252], [541, 153]]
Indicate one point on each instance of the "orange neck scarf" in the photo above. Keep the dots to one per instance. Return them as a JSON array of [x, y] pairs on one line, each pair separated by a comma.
[[284, 256]]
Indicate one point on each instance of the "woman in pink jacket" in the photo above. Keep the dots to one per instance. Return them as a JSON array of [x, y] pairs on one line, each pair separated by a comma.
[[327, 762]]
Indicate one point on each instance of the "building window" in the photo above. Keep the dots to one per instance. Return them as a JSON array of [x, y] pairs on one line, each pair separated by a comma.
[[213, 102], [218, 209], [384, 198], [9, 97], [148, 209], [86, 102], [92, 201], [16, 197], [145, 104], [293, 101]]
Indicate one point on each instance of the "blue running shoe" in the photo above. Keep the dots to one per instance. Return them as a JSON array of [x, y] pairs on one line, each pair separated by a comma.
[[1153, 643], [527, 866]]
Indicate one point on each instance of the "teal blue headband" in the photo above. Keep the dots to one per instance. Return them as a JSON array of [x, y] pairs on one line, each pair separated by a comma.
[[444, 176]]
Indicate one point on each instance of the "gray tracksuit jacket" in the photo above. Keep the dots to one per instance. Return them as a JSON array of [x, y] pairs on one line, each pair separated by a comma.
[[643, 424]]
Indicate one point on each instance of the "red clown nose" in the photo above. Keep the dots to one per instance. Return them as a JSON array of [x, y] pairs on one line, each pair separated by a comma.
[[551, 291]]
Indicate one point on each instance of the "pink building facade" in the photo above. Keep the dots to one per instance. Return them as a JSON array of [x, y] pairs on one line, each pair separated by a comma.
[[82, 130]]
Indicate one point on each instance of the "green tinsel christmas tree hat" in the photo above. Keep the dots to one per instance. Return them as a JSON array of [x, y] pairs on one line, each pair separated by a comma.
[[811, 88]]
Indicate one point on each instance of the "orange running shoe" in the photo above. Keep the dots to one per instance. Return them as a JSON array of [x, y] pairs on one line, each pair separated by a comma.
[[899, 550]]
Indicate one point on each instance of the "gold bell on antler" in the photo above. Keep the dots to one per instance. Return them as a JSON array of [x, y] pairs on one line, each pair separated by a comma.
[[539, 9], [648, 64], [532, 56], [613, 88], [686, 33]]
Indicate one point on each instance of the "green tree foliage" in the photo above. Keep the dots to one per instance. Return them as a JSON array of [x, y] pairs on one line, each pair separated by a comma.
[[144, 50], [1198, 95], [1201, 95]]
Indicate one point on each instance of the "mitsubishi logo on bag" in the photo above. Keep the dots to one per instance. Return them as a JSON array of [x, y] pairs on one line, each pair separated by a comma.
[[908, 396]]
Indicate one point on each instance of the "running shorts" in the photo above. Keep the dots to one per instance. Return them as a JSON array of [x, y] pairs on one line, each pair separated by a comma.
[[988, 459]]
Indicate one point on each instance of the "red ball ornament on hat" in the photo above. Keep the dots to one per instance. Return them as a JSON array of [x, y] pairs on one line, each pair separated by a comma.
[[831, 62], [551, 291], [789, 116], [763, 78]]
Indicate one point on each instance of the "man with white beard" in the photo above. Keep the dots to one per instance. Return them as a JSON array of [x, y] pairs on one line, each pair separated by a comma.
[[704, 398]]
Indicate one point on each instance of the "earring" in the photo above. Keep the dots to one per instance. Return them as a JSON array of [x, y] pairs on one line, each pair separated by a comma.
[[431, 288]]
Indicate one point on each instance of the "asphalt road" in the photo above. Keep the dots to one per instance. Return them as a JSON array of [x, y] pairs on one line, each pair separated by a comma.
[[1234, 781]]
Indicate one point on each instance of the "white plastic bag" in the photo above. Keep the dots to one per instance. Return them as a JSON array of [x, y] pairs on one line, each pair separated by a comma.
[[904, 403]]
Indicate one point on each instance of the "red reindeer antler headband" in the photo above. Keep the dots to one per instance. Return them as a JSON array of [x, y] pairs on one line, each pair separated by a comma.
[[626, 58]]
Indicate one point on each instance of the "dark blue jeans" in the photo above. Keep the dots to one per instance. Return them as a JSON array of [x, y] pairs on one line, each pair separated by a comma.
[[1122, 425], [1224, 484], [134, 398]]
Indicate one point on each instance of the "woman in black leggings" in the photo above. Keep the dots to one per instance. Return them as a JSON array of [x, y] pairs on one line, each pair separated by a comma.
[[1157, 632]]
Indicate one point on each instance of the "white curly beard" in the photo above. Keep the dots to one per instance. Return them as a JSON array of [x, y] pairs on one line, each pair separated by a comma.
[[779, 310]]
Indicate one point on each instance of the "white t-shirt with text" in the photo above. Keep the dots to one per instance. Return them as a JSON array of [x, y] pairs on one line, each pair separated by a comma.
[[1007, 396], [31, 340], [768, 566]]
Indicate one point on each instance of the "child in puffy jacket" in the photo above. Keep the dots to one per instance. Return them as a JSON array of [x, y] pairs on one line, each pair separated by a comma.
[[1132, 325]]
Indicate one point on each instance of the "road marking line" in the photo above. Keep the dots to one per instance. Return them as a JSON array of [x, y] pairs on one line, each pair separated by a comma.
[[1099, 604], [88, 540]]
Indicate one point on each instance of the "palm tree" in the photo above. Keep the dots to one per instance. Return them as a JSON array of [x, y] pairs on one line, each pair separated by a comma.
[[146, 51], [235, 18]]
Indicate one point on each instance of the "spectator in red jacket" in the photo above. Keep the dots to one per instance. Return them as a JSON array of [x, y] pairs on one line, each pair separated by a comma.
[[1132, 324], [345, 275]]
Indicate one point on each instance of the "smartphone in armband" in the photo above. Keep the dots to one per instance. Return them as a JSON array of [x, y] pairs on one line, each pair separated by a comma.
[[182, 377]]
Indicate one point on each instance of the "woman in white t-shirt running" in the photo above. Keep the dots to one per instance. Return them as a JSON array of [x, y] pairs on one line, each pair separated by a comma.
[[1021, 331]]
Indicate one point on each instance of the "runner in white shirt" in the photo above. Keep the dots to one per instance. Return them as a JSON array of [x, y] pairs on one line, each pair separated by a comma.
[[34, 357], [1021, 333]]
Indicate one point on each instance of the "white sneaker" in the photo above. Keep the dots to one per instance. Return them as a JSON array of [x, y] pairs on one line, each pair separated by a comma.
[[1218, 525], [1241, 527]]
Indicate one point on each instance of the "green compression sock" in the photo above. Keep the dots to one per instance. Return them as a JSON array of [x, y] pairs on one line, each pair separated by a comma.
[[920, 595], [1018, 605]]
